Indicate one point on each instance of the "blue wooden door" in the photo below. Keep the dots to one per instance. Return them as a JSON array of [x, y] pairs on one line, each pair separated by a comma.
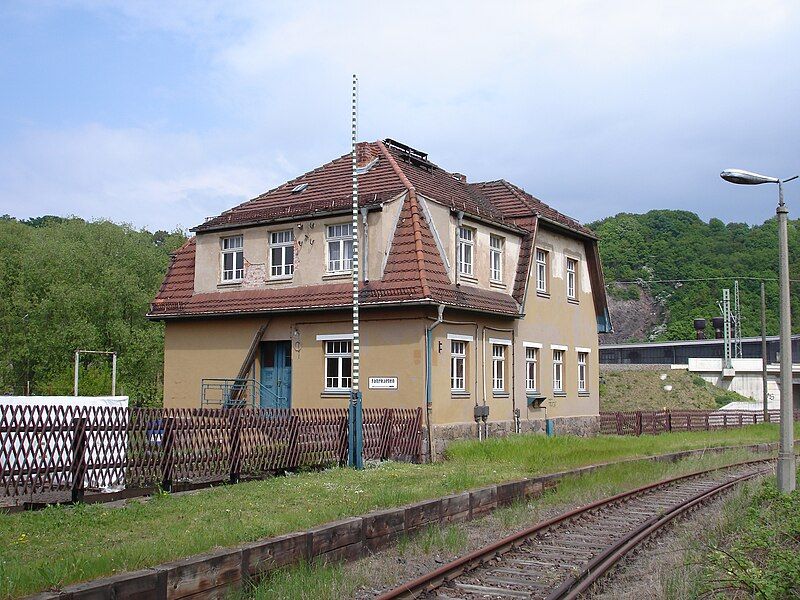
[[276, 374]]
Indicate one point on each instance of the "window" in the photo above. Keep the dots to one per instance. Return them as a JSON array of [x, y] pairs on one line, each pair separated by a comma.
[[498, 367], [458, 363], [340, 248], [466, 245], [496, 258], [338, 364], [282, 253], [531, 368], [572, 267], [581, 371], [541, 271], [558, 370], [233, 258]]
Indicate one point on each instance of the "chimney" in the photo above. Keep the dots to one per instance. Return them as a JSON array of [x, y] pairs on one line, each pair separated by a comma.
[[700, 329], [718, 323], [365, 153]]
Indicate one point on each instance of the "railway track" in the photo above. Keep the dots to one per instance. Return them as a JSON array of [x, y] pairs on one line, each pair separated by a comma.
[[562, 557]]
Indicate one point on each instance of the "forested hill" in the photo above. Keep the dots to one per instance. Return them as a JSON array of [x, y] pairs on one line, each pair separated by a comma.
[[67, 284], [670, 245]]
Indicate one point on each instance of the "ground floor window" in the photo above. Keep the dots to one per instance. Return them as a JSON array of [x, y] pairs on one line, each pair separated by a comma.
[[338, 364], [531, 368], [558, 370], [581, 371], [458, 363], [498, 367]]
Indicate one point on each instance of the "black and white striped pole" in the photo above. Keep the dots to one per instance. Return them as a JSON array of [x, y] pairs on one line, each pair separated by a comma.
[[355, 437]]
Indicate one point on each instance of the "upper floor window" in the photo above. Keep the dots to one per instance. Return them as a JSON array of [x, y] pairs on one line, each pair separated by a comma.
[[496, 258], [541, 270], [581, 371], [531, 368], [498, 367], [340, 247], [572, 285], [232, 258], [466, 250], [458, 363], [558, 370], [282, 253]]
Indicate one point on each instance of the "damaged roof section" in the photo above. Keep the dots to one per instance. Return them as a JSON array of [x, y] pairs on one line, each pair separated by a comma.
[[414, 271]]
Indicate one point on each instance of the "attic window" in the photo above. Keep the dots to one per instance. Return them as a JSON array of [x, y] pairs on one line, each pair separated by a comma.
[[299, 188]]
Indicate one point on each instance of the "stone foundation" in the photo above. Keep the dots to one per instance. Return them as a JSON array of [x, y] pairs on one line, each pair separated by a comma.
[[443, 435]]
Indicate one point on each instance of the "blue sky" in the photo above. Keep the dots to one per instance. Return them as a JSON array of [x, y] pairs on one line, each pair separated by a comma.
[[160, 114]]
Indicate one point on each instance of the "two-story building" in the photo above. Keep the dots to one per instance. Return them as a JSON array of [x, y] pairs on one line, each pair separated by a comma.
[[472, 295]]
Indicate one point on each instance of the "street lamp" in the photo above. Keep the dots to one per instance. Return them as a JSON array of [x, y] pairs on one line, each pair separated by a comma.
[[786, 463]]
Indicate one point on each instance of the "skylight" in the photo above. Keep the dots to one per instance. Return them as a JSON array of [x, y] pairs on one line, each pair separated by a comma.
[[299, 188]]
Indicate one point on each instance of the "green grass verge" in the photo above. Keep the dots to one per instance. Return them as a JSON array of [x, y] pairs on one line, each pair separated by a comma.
[[752, 552], [60, 545], [330, 582]]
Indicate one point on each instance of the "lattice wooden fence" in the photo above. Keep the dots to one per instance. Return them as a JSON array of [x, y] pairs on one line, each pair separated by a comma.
[[654, 422], [53, 453]]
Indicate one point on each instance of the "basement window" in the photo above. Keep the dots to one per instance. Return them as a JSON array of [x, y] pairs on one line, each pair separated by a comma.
[[232, 259]]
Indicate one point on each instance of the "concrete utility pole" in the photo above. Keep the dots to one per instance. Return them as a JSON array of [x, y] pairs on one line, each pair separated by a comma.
[[787, 474], [764, 393]]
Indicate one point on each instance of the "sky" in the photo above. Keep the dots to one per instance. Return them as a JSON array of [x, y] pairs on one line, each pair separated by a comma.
[[160, 114]]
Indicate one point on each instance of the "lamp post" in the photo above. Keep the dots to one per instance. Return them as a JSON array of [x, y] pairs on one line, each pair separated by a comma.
[[786, 462]]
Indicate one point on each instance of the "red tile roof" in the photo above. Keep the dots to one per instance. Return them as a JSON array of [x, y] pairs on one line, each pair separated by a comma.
[[415, 270]]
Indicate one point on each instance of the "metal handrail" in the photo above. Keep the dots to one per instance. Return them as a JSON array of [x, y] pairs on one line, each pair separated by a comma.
[[235, 392]]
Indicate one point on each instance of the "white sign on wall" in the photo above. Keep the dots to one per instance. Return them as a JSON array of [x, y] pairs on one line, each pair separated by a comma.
[[383, 383]]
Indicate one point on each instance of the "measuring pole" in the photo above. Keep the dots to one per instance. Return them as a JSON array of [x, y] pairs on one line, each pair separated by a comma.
[[355, 436], [764, 394]]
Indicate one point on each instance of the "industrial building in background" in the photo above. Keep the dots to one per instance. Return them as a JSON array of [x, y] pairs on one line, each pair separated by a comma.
[[479, 303]]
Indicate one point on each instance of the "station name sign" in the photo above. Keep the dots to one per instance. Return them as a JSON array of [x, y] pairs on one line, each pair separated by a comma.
[[383, 383]]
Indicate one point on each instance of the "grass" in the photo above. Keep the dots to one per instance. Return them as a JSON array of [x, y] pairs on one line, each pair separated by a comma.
[[60, 545], [341, 581], [644, 390], [753, 551]]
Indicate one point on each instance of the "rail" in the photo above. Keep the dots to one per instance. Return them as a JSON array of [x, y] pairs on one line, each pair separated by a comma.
[[562, 557]]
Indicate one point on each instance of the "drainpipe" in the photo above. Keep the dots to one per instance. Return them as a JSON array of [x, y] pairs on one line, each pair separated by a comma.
[[459, 222], [428, 376], [365, 243]]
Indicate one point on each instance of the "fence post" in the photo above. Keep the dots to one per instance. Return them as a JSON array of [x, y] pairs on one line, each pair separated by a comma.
[[669, 421], [168, 456], [725, 421], [638, 422], [386, 433], [78, 464], [619, 423], [708, 426], [235, 443]]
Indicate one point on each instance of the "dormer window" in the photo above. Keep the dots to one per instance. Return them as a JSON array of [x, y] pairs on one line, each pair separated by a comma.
[[466, 251], [282, 253], [232, 259], [340, 248], [496, 258]]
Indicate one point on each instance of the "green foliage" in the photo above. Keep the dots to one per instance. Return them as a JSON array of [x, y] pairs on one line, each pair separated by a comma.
[[68, 284], [672, 244], [760, 554]]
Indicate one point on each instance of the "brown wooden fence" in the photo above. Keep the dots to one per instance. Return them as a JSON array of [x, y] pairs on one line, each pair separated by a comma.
[[53, 453], [654, 422]]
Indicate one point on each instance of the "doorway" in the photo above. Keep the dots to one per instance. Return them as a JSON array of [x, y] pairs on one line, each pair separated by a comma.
[[276, 374]]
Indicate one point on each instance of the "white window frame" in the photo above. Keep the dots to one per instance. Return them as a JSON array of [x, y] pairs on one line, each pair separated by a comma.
[[531, 368], [541, 270], [572, 278], [496, 247], [458, 357], [498, 367], [582, 370], [558, 370], [233, 246], [466, 246], [338, 349], [283, 269], [338, 235]]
